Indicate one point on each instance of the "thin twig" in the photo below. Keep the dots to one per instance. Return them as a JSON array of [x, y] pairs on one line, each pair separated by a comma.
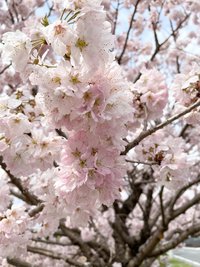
[[51, 242], [141, 162], [5, 68], [161, 205], [128, 32], [116, 15]]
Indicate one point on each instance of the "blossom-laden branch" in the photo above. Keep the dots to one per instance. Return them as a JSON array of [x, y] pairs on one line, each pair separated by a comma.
[[144, 134], [30, 198]]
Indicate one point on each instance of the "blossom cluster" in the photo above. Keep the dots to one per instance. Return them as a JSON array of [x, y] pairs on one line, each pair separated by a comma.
[[13, 228], [186, 91], [150, 95], [84, 94], [80, 91], [166, 154], [21, 143]]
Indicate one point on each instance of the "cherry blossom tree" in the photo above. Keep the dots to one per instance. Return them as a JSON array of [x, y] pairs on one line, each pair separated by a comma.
[[99, 140]]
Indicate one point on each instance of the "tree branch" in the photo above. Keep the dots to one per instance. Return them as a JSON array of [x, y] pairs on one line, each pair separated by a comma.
[[157, 49], [54, 255], [36, 210], [184, 234], [184, 130], [161, 205], [144, 134], [116, 15], [155, 219], [76, 240], [18, 262], [185, 207], [61, 133], [147, 248], [17, 182], [5, 68], [18, 195], [128, 32], [141, 162], [51, 242], [181, 191]]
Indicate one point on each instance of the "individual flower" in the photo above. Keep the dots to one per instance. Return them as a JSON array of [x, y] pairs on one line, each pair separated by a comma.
[[17, 47], [59, 35], [19, 124], [91, 45]]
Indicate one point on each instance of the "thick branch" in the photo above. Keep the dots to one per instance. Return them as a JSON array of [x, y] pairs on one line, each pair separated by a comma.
[[146, 249], [184, 234], [181, 191], [76, 240], [74, 236], [17, 263], [170, 236], [130, 203], [124, 237], [61, 133], [185, 207], [36, 210], [18, 195]]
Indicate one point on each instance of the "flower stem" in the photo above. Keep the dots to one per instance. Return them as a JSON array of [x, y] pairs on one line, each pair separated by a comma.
[[39, 50], [62, 14], [68, 15]]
